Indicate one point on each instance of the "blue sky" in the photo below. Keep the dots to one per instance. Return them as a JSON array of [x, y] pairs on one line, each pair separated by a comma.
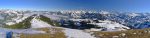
[[122, 5]]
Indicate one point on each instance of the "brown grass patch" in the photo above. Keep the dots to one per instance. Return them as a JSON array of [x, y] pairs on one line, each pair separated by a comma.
[[50, 33], [143, 33]]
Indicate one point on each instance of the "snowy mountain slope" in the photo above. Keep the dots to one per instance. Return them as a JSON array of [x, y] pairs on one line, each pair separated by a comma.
[[19, 18], [7, 15], [104, 25], [111, 26], [36, 23], [130, 19], [24, 24], [32, 21]]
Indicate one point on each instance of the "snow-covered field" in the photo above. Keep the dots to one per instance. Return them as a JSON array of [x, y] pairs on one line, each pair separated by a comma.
[[2, 34], [74, 33], [111, 26]]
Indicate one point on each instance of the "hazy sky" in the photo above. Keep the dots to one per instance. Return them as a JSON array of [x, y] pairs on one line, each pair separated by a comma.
[[123, 5]]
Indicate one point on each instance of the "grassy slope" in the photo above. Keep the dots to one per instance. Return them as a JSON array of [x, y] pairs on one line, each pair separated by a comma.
[[143, 33], [48, 20]]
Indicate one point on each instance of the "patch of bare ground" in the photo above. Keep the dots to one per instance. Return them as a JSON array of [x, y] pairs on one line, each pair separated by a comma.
[[49, 33]]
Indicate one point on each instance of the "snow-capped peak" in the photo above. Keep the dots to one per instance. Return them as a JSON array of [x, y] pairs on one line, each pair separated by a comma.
[[104, 12], [133, 14]]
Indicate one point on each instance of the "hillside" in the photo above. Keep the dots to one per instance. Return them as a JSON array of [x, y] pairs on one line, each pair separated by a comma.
[[21, 25]]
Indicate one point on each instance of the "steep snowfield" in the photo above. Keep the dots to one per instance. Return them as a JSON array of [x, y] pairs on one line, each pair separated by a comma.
[[73, 33], [36, 23]]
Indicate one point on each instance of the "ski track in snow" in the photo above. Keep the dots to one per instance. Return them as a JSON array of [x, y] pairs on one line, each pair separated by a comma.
[[35, 23], [73, 33]]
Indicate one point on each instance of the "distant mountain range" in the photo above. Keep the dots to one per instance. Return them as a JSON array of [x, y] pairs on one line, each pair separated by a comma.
[[131, 20]]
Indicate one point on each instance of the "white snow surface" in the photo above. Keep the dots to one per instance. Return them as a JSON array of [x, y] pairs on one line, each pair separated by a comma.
[[111, 26], [74, 33], [36, 23], [10, 23], [2, 34], [79, 19]]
